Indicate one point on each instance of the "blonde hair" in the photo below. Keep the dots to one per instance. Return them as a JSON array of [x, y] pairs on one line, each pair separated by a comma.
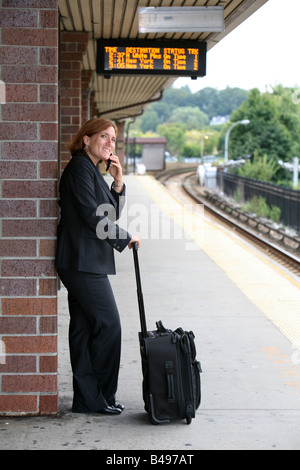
[[89, 128]]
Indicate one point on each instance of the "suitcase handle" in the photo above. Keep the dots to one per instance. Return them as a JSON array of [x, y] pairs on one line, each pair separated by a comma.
[[139, 291]]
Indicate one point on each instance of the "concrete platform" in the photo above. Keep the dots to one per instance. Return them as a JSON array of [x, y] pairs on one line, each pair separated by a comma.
[[245, 315]]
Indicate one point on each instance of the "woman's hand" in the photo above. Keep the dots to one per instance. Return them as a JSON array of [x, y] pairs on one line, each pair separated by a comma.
[[116, 171], [134, 240]]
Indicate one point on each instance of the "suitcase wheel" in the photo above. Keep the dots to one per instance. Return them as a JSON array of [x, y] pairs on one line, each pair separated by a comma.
[[189, 414], [152, 421]]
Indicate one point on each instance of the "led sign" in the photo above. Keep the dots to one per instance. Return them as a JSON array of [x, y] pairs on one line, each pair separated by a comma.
[[180, 58]]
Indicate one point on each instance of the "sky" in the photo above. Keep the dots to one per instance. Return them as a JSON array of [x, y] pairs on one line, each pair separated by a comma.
[[261, 52]]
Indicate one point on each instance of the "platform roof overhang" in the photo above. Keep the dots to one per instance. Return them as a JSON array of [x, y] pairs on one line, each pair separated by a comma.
[[122, 97]]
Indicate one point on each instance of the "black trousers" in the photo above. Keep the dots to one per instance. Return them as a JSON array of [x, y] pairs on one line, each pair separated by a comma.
[[94, 339]]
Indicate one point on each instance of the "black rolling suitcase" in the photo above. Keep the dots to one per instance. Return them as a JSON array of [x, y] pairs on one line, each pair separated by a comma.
[[171, 373]]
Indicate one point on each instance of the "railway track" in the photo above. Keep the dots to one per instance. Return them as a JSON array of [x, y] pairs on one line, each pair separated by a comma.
[[182, 185]]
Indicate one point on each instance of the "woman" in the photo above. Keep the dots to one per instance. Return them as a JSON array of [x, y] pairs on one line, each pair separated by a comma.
[[87, 236]]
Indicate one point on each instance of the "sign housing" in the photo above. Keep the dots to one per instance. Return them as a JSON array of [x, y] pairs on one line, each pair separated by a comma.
[[127, 57]]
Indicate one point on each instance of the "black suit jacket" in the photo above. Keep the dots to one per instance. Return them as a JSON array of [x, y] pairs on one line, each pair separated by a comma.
[[87, 233]]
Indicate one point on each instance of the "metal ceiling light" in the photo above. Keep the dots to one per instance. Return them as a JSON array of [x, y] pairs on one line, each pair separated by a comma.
[[181, 19]]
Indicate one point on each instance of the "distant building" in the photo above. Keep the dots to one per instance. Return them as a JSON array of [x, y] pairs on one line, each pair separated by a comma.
[[218, 120]]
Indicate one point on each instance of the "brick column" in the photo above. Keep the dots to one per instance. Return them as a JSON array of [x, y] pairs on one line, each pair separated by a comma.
[[73, 46], [28, 202]]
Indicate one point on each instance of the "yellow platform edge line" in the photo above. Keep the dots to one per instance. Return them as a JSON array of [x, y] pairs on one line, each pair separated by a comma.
[[224, 249]]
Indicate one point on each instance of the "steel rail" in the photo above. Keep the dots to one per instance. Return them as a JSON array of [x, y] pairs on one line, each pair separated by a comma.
[[286, 258]]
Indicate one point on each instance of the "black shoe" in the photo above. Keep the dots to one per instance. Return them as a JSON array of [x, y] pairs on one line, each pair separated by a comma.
[[119, 406], [110, 410]]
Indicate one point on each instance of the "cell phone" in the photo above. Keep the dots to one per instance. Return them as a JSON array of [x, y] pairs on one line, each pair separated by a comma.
[[108, 163]]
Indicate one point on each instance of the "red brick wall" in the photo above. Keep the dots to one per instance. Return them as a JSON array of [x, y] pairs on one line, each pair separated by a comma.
[[72, 48], [28, 207]]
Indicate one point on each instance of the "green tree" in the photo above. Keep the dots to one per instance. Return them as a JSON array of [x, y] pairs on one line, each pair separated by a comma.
[[191, 150], [191, 117], [215, 102], [196, 138], [289, 116], [229, 100], [150, 121], [263, 169], [162, 109], [177, 97], [274, 129], [265, 133], [175, 135], [207, 100]]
